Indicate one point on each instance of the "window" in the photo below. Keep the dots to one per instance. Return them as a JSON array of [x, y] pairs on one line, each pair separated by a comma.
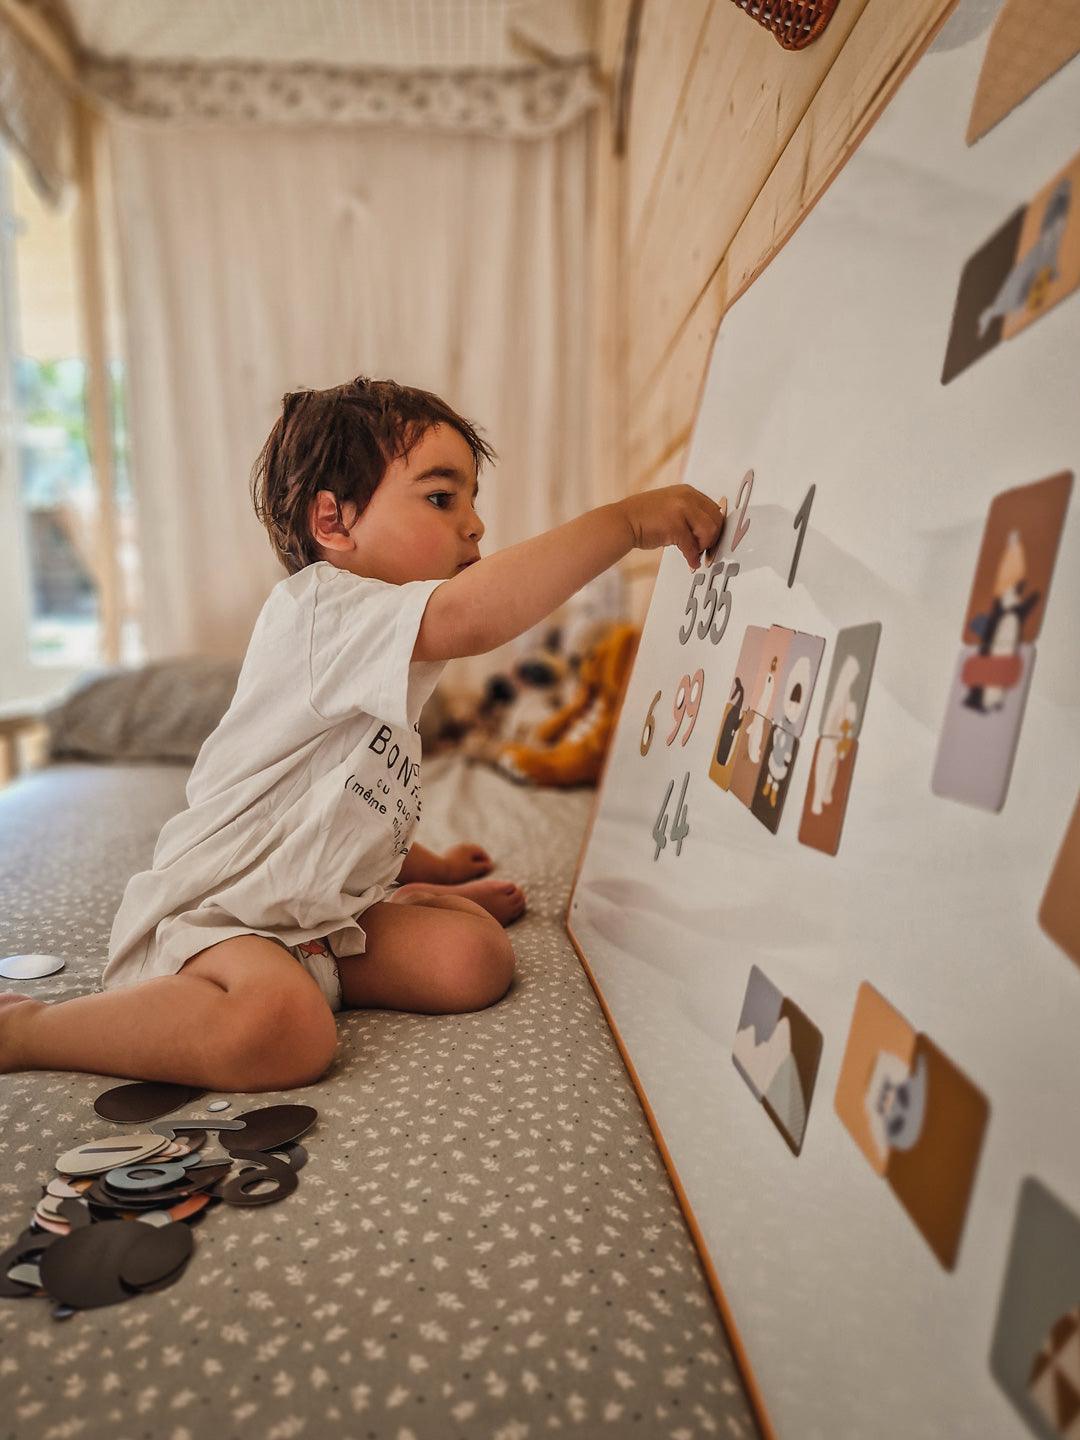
[[57, 493]]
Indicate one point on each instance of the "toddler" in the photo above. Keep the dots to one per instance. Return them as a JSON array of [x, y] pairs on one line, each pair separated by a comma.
[[291, 886]]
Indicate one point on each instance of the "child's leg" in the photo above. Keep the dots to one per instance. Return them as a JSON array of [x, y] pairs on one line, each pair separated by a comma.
[[218, 1024], [430, 953], [500, 898]]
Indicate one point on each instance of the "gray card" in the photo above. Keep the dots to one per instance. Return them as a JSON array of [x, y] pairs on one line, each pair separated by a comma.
[[757, 1023], [1034, 1355], [981, 727], [849, 680], [797, 680]]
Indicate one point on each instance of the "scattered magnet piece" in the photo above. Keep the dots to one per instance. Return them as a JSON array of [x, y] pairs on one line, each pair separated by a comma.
[[26, 1246], [144, 1177], [94, 1157], [295, 1154], [158, 1255], [28, 1273], [195, 1123], [1059, 913], [193, 1205], [271, 1125], [75, 1211], [63, 1312], [144, 1100], [60, 1188], [30, 967], [83, 1268], [264, 1167], [219, 1105], [58, 1227]]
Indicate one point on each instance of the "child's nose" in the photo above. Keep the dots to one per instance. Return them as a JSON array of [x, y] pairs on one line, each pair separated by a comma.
[[475, 526]]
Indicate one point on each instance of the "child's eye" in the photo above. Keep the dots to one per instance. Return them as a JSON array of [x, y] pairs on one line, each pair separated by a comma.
[[439, 495]]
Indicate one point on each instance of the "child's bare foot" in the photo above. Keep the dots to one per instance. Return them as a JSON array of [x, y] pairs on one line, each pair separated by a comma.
[[464, 862], [501, 898], [12, 1011]]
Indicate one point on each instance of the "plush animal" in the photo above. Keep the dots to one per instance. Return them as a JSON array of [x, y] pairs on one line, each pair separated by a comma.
[[516, 703], [569, 747]]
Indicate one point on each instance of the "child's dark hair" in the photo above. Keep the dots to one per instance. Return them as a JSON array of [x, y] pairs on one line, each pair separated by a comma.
[[341, 440]]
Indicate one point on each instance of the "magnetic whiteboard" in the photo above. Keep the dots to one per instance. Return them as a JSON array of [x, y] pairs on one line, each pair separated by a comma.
[[828, 372]]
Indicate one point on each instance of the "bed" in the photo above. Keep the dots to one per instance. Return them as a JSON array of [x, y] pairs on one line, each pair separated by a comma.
[[484, 1241]]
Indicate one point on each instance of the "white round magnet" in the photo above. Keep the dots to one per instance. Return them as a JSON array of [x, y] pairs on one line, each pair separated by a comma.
[[218, 1105], [30, 967]]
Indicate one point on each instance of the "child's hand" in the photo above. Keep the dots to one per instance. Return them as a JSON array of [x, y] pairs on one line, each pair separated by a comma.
[[676, 515], [465, 862]]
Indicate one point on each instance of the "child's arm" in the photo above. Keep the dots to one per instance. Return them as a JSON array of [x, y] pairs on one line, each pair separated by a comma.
[[503, 596]]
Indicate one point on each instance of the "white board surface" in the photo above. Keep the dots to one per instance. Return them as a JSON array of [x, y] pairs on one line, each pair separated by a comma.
[[827, 372]]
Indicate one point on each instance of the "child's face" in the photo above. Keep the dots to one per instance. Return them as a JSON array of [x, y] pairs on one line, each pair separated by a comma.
[[421, 523]]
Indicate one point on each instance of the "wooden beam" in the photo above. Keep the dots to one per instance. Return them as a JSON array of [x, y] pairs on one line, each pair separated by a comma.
[[91, 272], [53, 47], [743, 101], [881, 49]]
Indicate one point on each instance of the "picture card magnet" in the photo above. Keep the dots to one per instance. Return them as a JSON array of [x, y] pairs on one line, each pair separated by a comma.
[[825, 805], [1059, 913], [774, 778], [1030, 41], [1047, 265], [849, 680], [777, 1051], [974, 331], [1035, 1353], [765, 689], [915, 1116], [751, 748], [797, 680], [932, 1160], [981, 727], [1015, 565], [736, 708], [880, 1041]]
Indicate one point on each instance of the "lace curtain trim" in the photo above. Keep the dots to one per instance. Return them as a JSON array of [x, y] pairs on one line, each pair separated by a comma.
[[518, 104]]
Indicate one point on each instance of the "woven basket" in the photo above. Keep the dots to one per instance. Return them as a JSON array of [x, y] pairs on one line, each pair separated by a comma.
[[794, 23]]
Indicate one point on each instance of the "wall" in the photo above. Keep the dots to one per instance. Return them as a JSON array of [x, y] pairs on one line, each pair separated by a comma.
[[730, 137]]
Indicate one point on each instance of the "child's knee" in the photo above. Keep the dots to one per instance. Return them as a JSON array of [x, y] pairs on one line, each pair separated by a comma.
[[285, 1037], [485, 967]]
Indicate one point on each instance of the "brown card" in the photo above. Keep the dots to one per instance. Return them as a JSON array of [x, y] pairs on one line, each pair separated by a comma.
[[751, 748], [1030, 41], [827, 794], [932, 1177], [1015, 565], [1047, 266], [915, 1116], [737, 707], [980, 281], [1059, 913]]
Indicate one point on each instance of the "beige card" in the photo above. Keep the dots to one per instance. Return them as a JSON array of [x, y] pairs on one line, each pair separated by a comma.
[[1030, 41]]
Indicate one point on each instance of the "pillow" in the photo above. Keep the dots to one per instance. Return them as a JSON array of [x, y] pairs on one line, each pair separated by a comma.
[[162, 710]]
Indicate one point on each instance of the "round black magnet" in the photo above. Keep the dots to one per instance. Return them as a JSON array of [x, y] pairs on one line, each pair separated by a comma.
[[83, 1268], [159, 1255], [144, 1100], [263, 1167], [269, 1126]]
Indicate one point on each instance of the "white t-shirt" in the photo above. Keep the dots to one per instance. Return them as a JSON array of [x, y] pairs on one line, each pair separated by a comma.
[[302, 803]]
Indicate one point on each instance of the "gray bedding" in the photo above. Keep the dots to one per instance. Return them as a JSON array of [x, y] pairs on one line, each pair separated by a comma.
[[484, 1241]]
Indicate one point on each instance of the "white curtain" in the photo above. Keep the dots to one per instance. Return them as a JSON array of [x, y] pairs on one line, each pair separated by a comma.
[[254, 261]]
